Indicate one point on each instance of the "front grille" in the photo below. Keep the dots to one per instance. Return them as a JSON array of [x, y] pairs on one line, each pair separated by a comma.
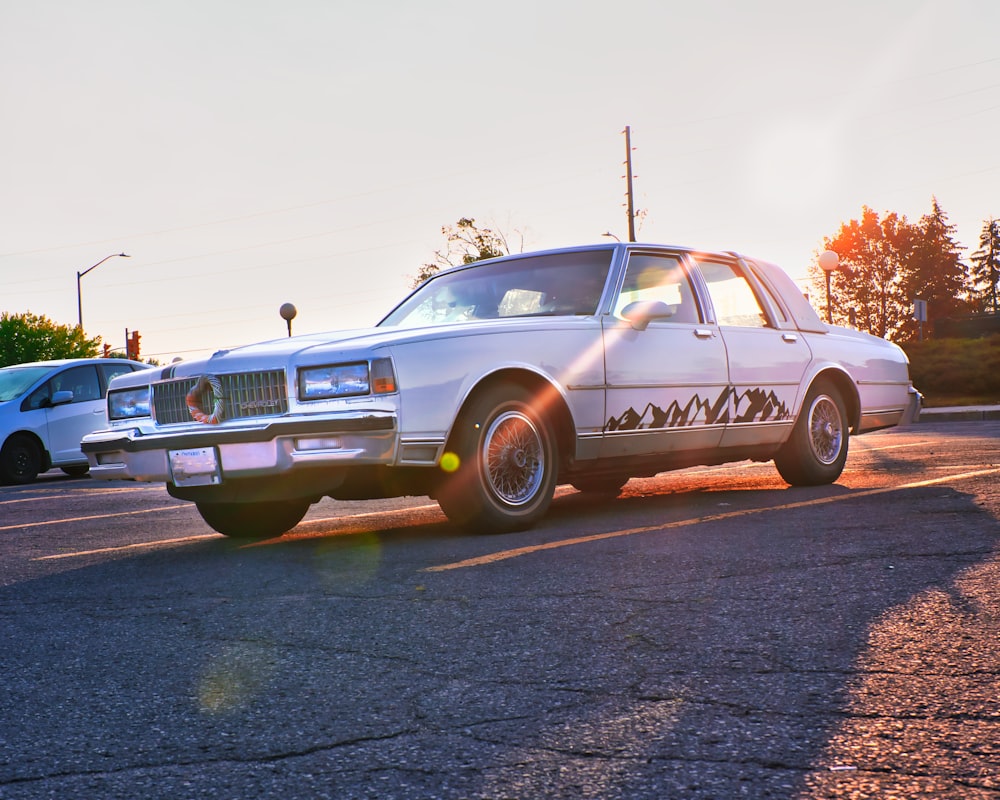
[[245, 395]]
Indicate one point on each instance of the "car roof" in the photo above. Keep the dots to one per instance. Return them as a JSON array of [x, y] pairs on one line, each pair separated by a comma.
[[67, 362]]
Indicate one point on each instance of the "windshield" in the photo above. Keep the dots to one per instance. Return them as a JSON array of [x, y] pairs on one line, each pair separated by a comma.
[[14, 381], [553, 284]]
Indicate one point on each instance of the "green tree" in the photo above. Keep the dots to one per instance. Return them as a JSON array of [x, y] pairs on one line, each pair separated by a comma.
[[934, 271], [29, 337], [466, 242], [984, 275]]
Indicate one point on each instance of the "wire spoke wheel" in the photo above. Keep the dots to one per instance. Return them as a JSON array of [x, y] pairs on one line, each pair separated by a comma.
[[508, 462], [513, 458], [816, 451], [826, 430]]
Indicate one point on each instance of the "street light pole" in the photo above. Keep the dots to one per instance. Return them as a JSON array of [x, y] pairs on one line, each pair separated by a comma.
[[828, 262], [79, 301], [288, 312]]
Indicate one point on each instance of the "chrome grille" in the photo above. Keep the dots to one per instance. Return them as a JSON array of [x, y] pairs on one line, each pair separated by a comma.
[[247, 395]]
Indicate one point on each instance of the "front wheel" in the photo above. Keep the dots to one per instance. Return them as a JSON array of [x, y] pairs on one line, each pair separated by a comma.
[[253, 520], [20, 460], [817, 450], [506, 463]]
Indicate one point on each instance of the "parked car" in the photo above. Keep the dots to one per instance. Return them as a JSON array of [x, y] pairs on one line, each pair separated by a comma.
[[46, 408], [492, 382]]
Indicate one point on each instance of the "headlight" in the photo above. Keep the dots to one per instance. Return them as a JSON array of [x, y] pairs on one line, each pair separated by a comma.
[[347, 380], [128, 403]]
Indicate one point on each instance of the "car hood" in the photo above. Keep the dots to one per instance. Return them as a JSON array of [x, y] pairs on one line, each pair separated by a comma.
[[322, 348]]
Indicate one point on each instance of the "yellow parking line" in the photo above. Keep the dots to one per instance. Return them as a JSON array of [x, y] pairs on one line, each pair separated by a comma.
[[503, 555], [862, 448], [77, 492], [84, 519], [119, 548]]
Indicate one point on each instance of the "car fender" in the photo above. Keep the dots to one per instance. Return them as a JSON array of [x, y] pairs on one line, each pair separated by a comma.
[[842, 379]]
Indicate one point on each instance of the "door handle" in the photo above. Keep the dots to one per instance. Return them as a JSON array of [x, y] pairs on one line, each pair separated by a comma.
[[791, 338], [704, 333]]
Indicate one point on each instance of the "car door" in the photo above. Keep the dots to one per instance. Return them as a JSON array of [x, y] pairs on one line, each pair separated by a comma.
[[68, 423], [667, 380], [767, 357]]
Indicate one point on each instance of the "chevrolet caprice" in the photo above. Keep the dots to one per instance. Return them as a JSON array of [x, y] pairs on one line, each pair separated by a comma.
[[495, 381]]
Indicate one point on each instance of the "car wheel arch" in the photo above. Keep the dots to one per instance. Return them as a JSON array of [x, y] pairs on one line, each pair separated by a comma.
[[552, 404], [44, 453], [848, 393]]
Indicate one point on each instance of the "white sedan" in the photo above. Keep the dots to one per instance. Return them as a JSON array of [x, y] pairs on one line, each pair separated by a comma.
[[495, 381]]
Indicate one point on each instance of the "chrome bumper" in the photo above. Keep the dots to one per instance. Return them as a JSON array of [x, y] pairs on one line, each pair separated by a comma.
[[273, 448], [912, 412]]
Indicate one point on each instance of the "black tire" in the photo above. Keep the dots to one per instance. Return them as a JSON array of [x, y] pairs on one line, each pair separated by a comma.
[[816, 452], [607, 485], [253, 520], [507, 463], [20, 460], [77, 470]]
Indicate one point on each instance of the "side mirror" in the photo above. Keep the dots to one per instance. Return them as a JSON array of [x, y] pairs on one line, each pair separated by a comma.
[[61, 398], [642, 312]]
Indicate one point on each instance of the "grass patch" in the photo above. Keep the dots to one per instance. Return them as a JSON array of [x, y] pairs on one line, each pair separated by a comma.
[[953, 372]]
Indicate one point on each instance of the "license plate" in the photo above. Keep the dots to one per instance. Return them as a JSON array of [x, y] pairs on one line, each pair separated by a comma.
[[198, 466]]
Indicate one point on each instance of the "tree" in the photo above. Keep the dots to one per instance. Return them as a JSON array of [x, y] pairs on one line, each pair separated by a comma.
[[868, 287], [29, 337], [934, 270], [466, 243], [886, 264], [984, 275]]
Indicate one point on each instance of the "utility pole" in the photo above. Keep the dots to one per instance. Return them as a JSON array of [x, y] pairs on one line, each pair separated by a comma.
[[628, 183]]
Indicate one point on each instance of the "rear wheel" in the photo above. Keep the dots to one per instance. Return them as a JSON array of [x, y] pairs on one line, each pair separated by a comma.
[[817, 450], [77, 470], [254, 520], [20, 460], [507, 463]]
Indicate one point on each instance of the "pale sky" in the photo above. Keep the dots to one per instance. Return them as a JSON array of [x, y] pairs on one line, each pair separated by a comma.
[[248, 154]]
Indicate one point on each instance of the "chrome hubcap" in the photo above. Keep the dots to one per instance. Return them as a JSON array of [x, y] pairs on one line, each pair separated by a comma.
[[513, 458], [826, 433]]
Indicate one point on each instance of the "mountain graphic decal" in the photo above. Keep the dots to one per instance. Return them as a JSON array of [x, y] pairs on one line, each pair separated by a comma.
[[753, 405]]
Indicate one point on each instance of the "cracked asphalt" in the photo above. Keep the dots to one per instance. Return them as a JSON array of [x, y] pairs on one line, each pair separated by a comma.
[[709, 634]]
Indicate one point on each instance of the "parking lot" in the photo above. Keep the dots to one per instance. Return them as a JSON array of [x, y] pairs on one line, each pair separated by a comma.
[[710, 633]]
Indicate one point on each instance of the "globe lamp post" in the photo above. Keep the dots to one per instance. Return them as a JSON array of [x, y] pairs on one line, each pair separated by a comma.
[[288, 313], [828, 262]]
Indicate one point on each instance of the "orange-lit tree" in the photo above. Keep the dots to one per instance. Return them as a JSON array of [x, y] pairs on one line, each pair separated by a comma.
[[887, 262], [868, 288]]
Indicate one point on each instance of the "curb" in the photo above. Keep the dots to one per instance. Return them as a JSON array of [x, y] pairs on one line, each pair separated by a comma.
[[972, 414]]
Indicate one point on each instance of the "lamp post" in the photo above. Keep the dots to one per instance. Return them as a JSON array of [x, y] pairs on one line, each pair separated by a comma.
[[828, 262], [288, 312], [79, 302]]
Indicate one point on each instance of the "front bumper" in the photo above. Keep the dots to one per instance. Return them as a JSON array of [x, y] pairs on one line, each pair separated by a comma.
[[272, 447]]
